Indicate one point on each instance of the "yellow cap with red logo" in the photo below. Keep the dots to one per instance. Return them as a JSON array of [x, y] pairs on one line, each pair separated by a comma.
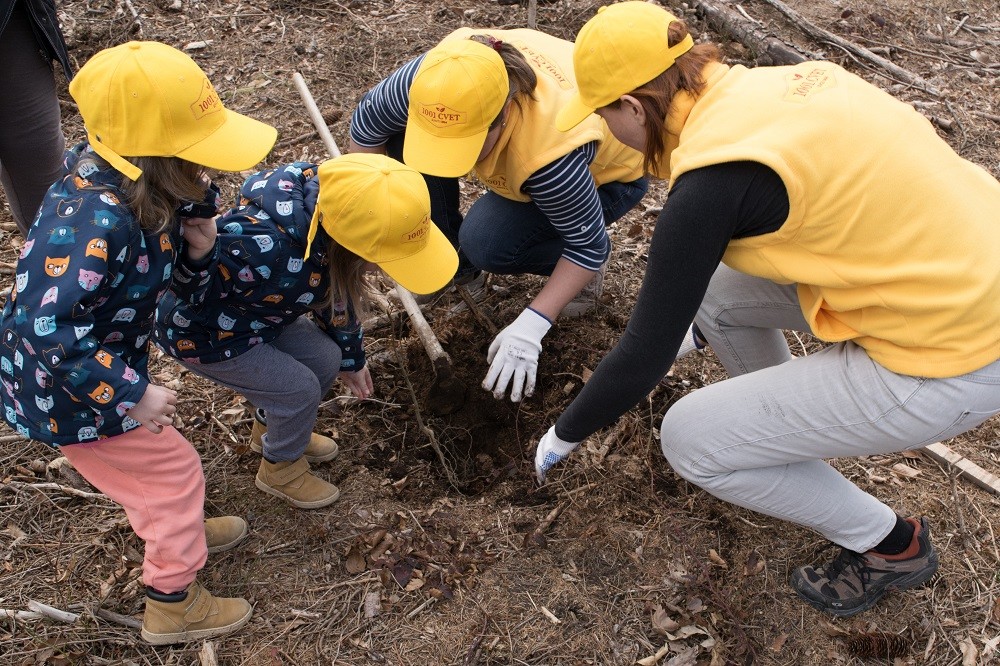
[[146, 99], [380, 210], [458, 91], [623, 47]]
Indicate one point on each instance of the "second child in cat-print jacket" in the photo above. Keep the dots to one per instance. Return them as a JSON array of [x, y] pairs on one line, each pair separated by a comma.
[[262, 244]]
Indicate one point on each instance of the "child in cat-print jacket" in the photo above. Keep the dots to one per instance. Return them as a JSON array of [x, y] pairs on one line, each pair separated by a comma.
[[75, 327], [299, 243]]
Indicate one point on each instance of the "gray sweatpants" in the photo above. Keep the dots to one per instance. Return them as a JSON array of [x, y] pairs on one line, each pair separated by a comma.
[[759, 438], [287, 378], [31, 138]]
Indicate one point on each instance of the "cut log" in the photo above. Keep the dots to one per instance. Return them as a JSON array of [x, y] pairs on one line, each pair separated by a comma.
[[767, 49], [966, 468]]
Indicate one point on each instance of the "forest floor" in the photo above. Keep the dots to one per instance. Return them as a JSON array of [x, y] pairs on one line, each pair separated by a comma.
[[617, 560]]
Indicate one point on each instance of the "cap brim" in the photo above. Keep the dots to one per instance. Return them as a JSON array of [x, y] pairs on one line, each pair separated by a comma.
[[436, 156], [429, 269], [571, 115], [238, 144]]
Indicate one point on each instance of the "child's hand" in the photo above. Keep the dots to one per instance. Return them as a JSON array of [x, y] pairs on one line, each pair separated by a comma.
[[156, 409], [200, 233], [359, 382]]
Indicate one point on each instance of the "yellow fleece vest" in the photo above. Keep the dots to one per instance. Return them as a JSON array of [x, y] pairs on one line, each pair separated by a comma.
[[892, 238], [530, 140]]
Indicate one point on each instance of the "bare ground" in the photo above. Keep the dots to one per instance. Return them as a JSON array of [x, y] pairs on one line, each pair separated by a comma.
[[616, 561]]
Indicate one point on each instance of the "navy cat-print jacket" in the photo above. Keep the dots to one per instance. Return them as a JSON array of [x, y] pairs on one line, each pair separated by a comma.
[[260, 282], [75, 328]]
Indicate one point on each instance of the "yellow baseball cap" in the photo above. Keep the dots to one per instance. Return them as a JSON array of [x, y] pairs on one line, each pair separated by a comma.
[[146, 99], [380, 210], [621, 48], [458, 90]]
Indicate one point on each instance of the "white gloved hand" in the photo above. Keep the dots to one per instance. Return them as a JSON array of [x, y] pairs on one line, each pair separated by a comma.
[[550, 451], [513, 356]]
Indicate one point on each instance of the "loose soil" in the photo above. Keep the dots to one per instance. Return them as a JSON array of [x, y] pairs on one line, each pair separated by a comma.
[[441, 549]]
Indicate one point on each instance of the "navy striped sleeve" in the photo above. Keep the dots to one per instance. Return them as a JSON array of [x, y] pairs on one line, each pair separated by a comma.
[[383, 110], [566, 193]]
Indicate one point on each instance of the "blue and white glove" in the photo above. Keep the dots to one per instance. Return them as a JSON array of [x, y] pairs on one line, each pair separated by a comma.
[[513, 356], [550, 451]]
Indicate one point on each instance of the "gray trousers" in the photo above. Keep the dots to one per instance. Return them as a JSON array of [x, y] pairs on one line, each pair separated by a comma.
[[759, 438], [31, 139], [287, 378]]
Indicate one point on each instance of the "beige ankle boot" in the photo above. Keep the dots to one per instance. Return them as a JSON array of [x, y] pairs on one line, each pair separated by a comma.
[[225, 533], [319, 449], [198, 616], [292, 481]]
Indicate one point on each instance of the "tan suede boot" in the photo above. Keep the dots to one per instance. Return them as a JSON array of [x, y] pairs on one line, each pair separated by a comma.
[[199, 615], [292, 481], [320, 448], [225, 533]]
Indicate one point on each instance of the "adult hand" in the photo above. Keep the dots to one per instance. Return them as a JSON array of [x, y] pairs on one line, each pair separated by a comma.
[[550, 451], [359, 381], [199, 233], [513, 356], [156, 408]]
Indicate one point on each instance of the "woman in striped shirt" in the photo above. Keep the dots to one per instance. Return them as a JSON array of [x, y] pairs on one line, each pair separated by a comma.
[[485, 100]]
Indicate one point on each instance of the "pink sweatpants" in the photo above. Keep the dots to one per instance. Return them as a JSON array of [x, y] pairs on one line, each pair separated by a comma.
[[159, 482]]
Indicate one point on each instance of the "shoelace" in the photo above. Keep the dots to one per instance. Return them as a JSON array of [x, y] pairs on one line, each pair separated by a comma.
[[848, 560]]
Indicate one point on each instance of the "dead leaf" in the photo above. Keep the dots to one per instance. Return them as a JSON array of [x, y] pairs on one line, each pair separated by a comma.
[[662, 622], [356, 562], [717, 559], [373, 604], [779, 643], [754, 564], [995, 612], [402, 572], [198, 45], [586, 374], [906, 471], [970, 653]]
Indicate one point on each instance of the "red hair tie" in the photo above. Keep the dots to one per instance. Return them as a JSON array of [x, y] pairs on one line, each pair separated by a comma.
[[495, 43]]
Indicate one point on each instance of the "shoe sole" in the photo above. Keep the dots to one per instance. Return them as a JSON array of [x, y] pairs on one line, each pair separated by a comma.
[[905, 583], [195, 635], [316, 504], [313, 459], [221, 548]]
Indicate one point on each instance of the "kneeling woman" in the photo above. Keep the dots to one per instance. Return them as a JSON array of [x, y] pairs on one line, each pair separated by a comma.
[[299, 242]]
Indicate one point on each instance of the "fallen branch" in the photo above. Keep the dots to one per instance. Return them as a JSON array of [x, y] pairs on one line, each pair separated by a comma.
[[474, 308], [751, 34], [17, 485], [821, 35], [117, 618], [537, 536], [54, 613]]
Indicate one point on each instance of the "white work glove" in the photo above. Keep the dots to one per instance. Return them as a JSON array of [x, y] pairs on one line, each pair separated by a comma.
[[514, 355], [550, 451]]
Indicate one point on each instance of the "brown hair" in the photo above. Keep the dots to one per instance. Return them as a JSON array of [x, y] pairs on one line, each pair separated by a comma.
[[520, 76], [165, 182], [348, 284], [657, 95]]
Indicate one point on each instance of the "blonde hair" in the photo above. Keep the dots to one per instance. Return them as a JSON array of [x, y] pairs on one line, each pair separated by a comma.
[[348, 284], [165, 183], [657, 95], [520, 76]]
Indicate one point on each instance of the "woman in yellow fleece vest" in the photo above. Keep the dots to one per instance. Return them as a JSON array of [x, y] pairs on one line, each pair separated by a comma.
[[486, 100], [835, 210]]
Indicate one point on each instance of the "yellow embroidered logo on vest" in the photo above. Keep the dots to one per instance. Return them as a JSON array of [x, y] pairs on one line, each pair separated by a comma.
[[547, 66], [442, 116], [208, 101], [801, 87]]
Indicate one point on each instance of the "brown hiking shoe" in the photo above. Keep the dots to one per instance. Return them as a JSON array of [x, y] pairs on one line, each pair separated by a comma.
[[854, 582], [199, 615], [225, 533], [320, 448], [292, 481]]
